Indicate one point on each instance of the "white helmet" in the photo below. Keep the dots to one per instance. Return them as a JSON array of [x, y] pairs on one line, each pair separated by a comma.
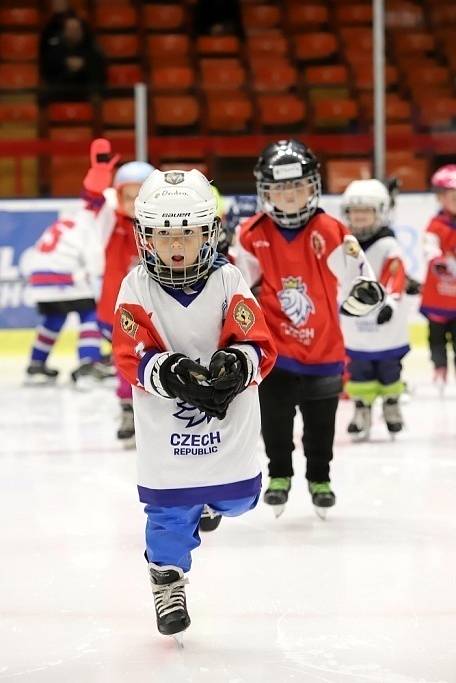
[[132, 172], [366, 194], [175, 201]]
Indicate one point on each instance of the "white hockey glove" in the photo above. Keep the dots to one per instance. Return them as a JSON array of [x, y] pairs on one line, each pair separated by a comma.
[[365, 296]]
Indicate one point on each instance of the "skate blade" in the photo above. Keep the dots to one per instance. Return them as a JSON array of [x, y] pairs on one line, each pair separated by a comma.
[[179, 640], [39, 382], [128, 444], [322, 513], [361, 437], [278, 510]]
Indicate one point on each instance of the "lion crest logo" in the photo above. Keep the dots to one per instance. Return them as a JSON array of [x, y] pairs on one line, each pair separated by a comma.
[[127, 323], [174, 178], [295, 301]]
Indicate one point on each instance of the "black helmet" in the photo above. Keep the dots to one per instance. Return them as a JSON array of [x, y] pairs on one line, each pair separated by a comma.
[[284, 164]]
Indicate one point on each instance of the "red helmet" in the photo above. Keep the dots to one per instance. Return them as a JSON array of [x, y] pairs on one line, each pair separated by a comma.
[[445, 178]]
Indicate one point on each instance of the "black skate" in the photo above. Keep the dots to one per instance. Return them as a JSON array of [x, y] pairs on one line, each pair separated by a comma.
[[277, 494], [360, 425], [89, 374], [38, 373], [168, 587], [209, 519], [393, 416], [126, 431], [322, 497]]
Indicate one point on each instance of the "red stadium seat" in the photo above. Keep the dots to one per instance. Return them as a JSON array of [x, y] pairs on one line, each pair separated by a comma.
[[222, 74], [115, 17], [70, 112], [334, 113], [18, 76], [273, 75], [229, 112], [314, 46], [332, 74], [412, 172], [267, 42], [260, 17], [19, 17], [23, 112], [340, 172], [18, 47], [354, 14], [119, 45], [124, 75], [304, 16], [218, 45], [172, 78], [168, 47], [176, 111], [281, 110], [159, 17], [118, 111]]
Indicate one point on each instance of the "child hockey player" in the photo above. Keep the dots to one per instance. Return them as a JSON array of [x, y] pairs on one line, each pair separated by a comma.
[[115, 225], [297, 254], [193, 343], [64, 270], [376, 343], [439, 290]]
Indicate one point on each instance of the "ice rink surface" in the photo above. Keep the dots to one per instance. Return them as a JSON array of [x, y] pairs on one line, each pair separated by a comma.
[[367, 596]]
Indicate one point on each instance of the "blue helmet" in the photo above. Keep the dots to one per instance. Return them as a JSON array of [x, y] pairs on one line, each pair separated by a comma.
[[132, 172]]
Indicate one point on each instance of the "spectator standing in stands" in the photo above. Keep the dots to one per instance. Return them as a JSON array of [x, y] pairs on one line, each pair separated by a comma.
[[72, 66], [217, 17]]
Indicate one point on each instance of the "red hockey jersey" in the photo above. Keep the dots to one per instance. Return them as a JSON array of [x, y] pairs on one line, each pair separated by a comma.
[[438, 300], [299, 272]]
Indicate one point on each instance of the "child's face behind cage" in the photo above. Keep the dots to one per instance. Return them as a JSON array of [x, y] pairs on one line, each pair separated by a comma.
[[447, 200], [177, 248], [291, 196], [361, 218]]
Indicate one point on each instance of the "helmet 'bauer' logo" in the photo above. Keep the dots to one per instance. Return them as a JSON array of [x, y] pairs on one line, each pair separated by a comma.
[[127, 323], [244, 316], [174, 178]]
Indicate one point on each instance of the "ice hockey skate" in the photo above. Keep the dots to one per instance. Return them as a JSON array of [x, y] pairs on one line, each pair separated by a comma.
[[360, 425], [440, 379], [89, 374], [168, 587], [276, 494], [126, 431], [322, 497], [392, 415], [38, 374], [209, 519]]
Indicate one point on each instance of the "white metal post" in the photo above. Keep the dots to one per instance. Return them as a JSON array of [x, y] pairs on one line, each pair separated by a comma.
[[141, 122], [379, 88]]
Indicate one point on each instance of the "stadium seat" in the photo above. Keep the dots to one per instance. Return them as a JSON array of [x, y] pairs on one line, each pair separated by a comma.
[[360, 37], [413, 42], [310, 47], [222, 74], [327, 75], [19, 17], [258, 17], [161, 17], [303, 16], [272, 43], [412, 172], [364, 75], [354, 14], [175, 111], [18, 76], [334, 113], [115, 17], [218, 45], [124, 75], [70, 112], [273, 75], [443, 14], [340, 172], [18, 47], [177, 78], [281, 110], [438, 112], [402, 14], [17, 111], [71, 133], [119, 45], [118, 111], [228, 112], [168, 47], [67, 173]]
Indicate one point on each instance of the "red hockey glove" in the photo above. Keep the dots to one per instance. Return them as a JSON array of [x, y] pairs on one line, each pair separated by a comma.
[[99, 176]]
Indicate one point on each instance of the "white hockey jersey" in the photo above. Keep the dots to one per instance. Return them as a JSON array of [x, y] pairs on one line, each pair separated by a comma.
[[184, 456], [364, 338], [67, 262]]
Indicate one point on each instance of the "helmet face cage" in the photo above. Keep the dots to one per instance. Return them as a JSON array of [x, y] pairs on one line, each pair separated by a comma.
[[304, 213], [174, 276], [367, 231]]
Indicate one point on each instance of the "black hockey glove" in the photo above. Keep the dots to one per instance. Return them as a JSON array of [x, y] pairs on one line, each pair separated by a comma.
[[186, 380], [385, 314], [229, 372], [365, 295], [412, 287]]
